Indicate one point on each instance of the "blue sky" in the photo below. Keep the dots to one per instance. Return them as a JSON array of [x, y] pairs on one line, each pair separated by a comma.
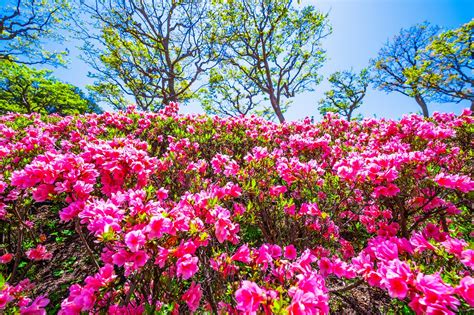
[[360, 28]]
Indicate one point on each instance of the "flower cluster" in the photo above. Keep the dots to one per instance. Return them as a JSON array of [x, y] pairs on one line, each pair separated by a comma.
[[190, 213]]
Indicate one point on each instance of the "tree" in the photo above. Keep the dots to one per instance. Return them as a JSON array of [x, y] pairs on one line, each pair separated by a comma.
[[347, 93], [274, 46], [228, 93], [447, 65], [24, 24], [397, 57], [27, 90], [153, 51]]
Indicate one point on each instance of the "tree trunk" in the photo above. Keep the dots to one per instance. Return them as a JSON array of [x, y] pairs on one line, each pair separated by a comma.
[[472, 107], [271, 91], [421, 102], [276, 108]]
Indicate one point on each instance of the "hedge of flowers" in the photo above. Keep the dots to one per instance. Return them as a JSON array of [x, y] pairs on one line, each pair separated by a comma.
[[195, 214]]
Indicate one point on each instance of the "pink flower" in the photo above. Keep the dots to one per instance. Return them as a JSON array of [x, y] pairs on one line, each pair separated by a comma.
[[120, 257], [459, 182], [135, 240], [467, 258], [397, 287], [161, 257], [454, 246], [290, 252], [82, 190], [277, 190], [242, 254], [387, 250], [38, 253], [6, 258], [5, 298], [310, 209], [71, 211], [225, 228], [386, 191], [420, 243], [36, 307], [436, 298], [41, 193], [162, 194], [325, 266], [158, 226], [187, 266], [396, 276], [249, 297], [466, 290], [192, 296], [309, 296]]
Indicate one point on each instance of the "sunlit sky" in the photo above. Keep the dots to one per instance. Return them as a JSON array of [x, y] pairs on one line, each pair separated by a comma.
[[360, 28]]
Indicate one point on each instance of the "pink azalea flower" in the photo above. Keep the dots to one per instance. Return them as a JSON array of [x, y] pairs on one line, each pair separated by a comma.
[[6, 258], [466, 290], [158, 226], [454, 246], [41, 193], [135, 240], [161, 257], [420, 243], [36, 307], [309, 296], [162, 194], [249, 297], [192, 296], [187, 266], [38, 253], [5, 298], [467, 258], [277, 190], [460, 182], [242, 254], [397, 287], [325, 266], [290, 252]]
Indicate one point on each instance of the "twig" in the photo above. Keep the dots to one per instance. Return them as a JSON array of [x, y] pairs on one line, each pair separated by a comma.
[[349, 287], [84, 241]]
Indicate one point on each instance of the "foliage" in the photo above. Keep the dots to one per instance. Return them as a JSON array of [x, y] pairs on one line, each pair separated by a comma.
[[274, 46], [347, 93], [239, 215], [447, 65], [27, 90], [153, 51], [24, 24], [400, 56], [229, 93]]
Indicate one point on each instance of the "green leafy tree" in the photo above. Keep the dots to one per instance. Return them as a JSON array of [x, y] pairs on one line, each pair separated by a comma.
[[228, 93], [152, 51], [347, 93], [398, 58], [447, 65], [273, 47], [27, 90], [24, 24]]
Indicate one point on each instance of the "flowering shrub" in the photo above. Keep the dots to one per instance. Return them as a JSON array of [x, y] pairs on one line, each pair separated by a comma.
[[202, 214]]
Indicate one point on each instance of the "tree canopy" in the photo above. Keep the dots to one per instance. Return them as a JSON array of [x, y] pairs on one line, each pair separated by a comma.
[[27, 90], [274, 46], [397, 57], [152, 51], [447, 65], [346, 94], [24, 24]]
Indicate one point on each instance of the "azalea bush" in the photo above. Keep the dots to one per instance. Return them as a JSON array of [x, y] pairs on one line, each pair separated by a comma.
[[183, 214]]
